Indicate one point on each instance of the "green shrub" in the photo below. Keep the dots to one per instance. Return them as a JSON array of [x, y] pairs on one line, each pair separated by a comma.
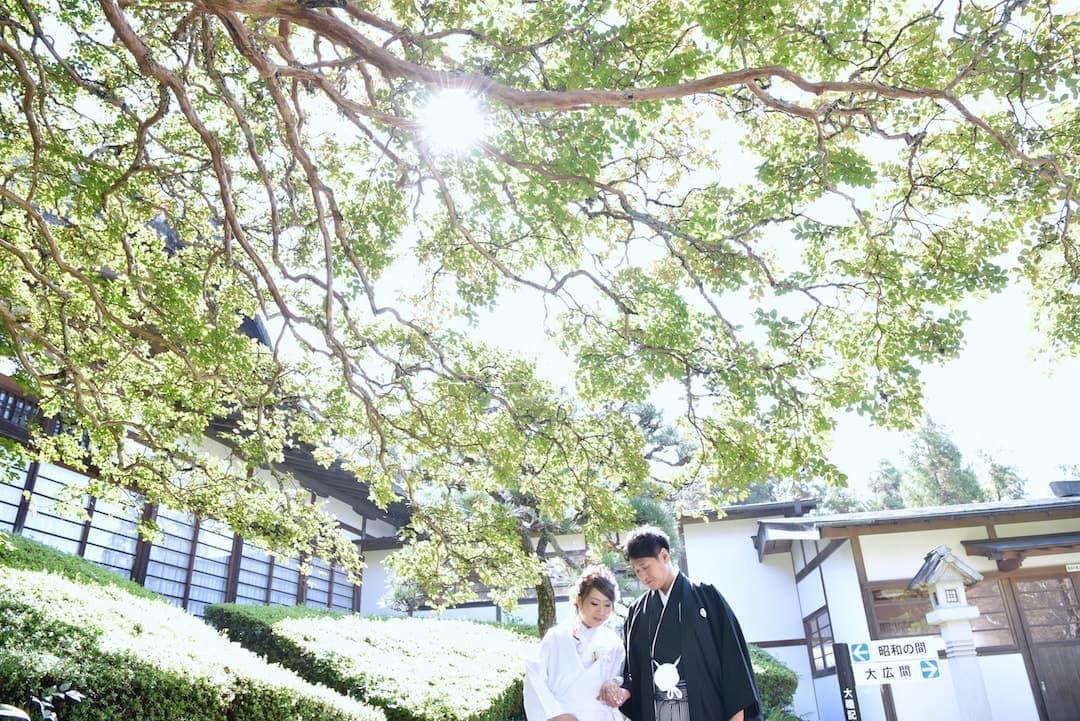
[[776, 684], [528, 630], [142, 658], [416, 669], [20, 552]]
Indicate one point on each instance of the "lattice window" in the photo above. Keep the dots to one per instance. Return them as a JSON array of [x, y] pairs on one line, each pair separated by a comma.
[[819, 641]]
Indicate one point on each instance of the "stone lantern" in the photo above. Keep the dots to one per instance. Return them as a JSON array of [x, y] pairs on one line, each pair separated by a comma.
[[945, 577]]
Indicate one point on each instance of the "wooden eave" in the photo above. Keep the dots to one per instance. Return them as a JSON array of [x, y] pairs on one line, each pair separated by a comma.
[[835, 530], [1009, 553]]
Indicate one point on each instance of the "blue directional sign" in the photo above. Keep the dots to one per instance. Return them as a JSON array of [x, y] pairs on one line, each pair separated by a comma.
[[929, 669], [860, 652]]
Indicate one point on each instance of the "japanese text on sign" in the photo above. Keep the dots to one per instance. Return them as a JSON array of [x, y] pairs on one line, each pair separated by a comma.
[[897, 671], [916, 647], [897, 660]]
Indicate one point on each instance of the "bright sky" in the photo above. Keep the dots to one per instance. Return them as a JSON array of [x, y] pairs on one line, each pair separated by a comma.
[[996, 398]]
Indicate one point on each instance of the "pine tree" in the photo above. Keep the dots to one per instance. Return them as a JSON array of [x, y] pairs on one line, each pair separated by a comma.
[[938, 476], [1005, 482], [885, 487]]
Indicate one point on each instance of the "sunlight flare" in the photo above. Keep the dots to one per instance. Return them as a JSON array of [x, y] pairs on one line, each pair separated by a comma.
[[453, 121]]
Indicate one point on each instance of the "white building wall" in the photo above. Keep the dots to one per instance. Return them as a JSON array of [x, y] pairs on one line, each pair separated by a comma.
[[848, 618], [526, 613], [469, 613], [811, 594], [1036, 528], [379, 529], [762, 594], [892, 556], [899, 556], [846, 611], [827, 697], [1069, 525], [340, 510], [1001, 674], [723, 554], [376, 585], [929, 699]]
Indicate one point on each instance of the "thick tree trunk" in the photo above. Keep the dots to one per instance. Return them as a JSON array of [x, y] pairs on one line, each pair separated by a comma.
[[545, 606], [545, 597], [545, 590]]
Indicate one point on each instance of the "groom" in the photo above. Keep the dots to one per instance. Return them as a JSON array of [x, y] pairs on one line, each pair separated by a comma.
[[686, 659]]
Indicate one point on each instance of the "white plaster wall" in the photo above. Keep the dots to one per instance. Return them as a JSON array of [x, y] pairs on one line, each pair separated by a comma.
[[375, 585], [332, 506], [929, 699], [846, 611], [1054, 562], [1050, 561], [220, 450], [471, 613], [827, 696], [891, 556], [1007, 687], [340, 510], [1037, 528], [526, 613], [380, 529], [848, 619], [798, 557], [811, 596], [761, 594], [899, 556]]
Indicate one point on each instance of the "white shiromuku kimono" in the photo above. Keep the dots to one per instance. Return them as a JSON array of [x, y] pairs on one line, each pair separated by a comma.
[[567, 673]]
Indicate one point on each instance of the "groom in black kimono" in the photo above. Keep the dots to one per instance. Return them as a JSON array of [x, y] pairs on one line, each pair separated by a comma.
[[686, 659]]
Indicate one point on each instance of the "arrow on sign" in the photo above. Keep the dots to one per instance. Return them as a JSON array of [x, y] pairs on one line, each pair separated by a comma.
[[860, 652], [929, 669]]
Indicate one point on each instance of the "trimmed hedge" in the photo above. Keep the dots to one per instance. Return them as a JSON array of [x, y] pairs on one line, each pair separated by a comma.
[[424, 669], [21, 552], [776, 684], [415, 669], [135, 656]]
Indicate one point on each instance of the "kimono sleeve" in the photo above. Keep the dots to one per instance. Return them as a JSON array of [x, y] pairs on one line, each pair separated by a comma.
[[541, 703], [613, 659], [738, 687]]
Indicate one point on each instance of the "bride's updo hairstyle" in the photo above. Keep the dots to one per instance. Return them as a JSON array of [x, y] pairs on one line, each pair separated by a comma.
[[599, 577]]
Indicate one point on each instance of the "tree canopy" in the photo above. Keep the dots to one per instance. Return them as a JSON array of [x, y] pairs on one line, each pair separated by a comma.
[[1005, 482], [937, 474], [886, 487], [771, 210]]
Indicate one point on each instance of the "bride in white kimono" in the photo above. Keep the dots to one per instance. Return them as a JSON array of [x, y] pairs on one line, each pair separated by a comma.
[[576, 657]]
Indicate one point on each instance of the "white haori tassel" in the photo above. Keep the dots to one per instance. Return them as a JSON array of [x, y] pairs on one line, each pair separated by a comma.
[[666, 678]]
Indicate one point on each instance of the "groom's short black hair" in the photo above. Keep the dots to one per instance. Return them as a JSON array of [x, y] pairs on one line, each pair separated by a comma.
[[646, 542]]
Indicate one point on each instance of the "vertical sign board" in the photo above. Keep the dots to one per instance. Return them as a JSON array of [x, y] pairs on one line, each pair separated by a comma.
[[845, 676]]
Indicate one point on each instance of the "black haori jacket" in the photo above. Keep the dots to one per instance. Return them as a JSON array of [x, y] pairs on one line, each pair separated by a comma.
[[715, 662]]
